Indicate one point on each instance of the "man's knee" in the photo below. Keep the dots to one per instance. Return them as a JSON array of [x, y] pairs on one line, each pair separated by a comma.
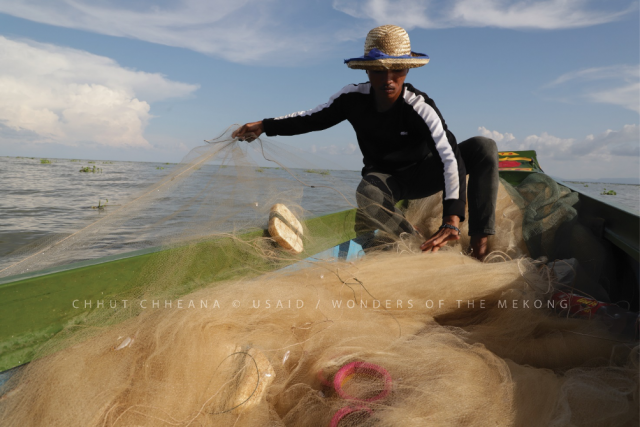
[[488, 147], [373, 188], [485, 148]]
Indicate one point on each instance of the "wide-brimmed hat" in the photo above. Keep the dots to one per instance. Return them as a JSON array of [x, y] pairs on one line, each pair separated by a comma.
[[387, 48]]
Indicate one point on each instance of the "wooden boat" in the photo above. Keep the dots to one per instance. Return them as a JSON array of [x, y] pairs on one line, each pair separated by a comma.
[[38, 305]]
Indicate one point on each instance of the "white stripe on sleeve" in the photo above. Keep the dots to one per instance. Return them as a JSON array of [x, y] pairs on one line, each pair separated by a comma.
[[362, 88], [431, 118]]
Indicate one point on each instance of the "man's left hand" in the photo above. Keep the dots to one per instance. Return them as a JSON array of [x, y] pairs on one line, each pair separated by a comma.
[[442, 236]]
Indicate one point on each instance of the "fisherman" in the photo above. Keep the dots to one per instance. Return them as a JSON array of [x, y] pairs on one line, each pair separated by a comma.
[[409, 153]]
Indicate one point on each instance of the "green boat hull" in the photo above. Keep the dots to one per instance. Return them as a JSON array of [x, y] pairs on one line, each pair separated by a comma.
[[36, 306]]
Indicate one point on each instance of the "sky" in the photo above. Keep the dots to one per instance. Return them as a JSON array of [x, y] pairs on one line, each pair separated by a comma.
[[150, 80]]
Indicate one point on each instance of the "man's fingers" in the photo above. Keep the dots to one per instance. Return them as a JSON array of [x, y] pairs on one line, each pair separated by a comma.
[[238, 132], [439, 246], [248, 131], [244, 134], [436, 247], [435, 239], [431, 243], [439, 240]]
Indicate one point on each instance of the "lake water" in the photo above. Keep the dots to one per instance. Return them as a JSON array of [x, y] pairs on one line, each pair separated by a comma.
[[44, 200], [40, 201], [627, 195]]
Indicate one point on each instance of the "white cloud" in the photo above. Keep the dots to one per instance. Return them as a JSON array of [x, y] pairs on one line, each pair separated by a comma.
[[598, 73], [280, 32], [244, 31], [627, 96], [624, 142], [629, 149], [615, 84], [547, 14], [496, 136], [629, 134], [56, 94]]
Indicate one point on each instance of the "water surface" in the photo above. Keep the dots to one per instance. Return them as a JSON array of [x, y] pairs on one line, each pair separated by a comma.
[[627, 195], [40, 202], [44, 201]]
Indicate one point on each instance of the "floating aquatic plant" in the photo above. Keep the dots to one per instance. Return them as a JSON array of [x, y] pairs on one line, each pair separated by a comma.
[[318, 172], [260, 170], [608, 193], [45, 161], [93, 170], [159, 167], [100, 205]]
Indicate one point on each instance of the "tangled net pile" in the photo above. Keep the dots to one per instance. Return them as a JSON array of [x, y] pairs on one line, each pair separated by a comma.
[[395, 338]]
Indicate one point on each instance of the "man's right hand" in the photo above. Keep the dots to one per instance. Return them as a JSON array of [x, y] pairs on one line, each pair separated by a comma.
[[248, 132], [443, 235]]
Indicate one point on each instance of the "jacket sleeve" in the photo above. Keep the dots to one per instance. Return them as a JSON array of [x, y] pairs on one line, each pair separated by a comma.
[[322, 117], [444, 146]]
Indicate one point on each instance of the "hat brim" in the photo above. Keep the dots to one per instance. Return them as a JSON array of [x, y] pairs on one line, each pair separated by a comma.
[[388, 64]]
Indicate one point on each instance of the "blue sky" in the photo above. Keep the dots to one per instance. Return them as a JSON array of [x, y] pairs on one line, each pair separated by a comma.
[[148, 81]]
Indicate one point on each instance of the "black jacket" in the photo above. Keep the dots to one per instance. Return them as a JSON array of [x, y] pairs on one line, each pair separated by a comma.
[[390, 141]]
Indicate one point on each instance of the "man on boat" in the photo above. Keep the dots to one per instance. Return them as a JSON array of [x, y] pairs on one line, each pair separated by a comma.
[[408, 151]]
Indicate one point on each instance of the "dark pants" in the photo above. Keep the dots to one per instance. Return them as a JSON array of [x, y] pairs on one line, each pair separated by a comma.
[[378, 192]]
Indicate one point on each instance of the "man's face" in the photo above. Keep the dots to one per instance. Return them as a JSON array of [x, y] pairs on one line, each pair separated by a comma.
[[388, 83]]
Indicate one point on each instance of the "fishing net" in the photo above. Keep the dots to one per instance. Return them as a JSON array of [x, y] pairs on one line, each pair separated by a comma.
[[221, 188], [390, 337]]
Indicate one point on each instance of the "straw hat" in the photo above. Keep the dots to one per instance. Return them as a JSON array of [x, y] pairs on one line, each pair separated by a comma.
[[387, 48]]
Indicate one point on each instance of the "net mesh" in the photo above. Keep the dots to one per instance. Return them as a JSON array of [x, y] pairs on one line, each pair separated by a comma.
[[395, 338], [218, 189]]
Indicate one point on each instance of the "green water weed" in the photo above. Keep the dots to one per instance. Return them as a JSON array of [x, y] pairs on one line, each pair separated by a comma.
[[94, 169], [100, 205], [320, 172]]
